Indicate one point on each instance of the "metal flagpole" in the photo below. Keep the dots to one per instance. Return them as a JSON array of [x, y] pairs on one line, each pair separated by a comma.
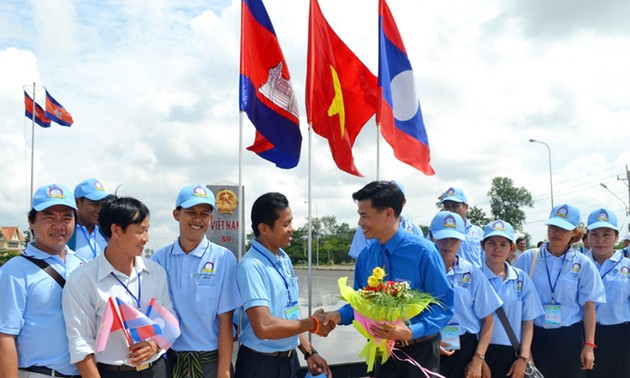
[[378, 151], [33, 141], [310, 229]]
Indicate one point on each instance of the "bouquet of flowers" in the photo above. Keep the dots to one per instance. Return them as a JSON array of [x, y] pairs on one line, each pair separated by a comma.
[[382, 301]]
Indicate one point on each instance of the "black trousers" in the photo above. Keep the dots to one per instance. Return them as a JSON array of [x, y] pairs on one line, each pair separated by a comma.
[[556, 351], [500, 359], [158, 370], [251, 364], [453, 366], [612, 356], [426, 353]]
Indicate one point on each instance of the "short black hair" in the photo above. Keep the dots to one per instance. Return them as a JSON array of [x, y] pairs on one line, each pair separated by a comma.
[[383, 194], [519, 239], [265, 209], [121, 211]]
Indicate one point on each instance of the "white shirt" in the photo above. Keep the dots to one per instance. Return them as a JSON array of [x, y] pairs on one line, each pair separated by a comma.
[[86, 294]]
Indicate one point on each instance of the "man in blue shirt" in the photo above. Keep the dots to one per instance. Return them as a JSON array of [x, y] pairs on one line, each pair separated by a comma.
[[202, 284], [87, 240], [272, 325], [454, 200], [405, 257], [32, 329]]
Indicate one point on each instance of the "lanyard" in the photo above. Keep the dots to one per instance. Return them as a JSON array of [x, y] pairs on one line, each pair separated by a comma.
[[613, 267], [286, 284], [201, 263], [89, 240], [553, 287], [137, 299]]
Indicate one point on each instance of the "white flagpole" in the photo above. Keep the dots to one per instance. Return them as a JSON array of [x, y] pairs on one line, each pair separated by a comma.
[[241, 203], [310, 228], [33, 141], [378, 151]]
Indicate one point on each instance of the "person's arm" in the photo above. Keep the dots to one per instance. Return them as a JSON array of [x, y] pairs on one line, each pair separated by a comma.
[[473, 369], [587, 357], [266, 326], [8, 356], [87, 367], [225, 344], [316, 363]]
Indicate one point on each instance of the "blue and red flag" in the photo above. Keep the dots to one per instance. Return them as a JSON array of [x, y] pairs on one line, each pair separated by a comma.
[[40, 115], [56, 112], [139, 326], [167, 322], [266, 93], [398, 111]]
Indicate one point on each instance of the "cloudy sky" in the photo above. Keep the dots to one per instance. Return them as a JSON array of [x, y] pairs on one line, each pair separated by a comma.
[[153, 89]]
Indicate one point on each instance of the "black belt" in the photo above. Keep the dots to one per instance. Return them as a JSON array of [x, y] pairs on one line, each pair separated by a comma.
[[406, 343], [127, 368], [285, 354], [46, 371]]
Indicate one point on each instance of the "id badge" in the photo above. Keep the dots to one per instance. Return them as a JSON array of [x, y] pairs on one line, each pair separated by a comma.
[[553, 315], [292, 311], [450, 337]]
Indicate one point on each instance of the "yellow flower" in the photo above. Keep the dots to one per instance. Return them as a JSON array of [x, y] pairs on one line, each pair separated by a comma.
[[379, 273], [373, 281]]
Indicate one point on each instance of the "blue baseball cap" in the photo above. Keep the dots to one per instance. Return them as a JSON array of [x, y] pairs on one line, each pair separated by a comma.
[[52, 195], [195, 194], [91, 189], [499, 228], [400, 186], [564, 216], [602, 218], [455, 195], [446, 224]]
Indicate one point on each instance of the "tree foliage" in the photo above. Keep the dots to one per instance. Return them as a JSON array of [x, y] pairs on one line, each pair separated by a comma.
[[477, 216], [506, 201]]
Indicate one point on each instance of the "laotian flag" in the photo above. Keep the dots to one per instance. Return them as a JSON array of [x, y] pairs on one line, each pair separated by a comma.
[[110, 323], [139, 326], [398, 111], [167, 322], [40, 115], [56, 112], [265, 89]]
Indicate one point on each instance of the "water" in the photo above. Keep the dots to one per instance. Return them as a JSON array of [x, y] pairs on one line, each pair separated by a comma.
[[344, 343]]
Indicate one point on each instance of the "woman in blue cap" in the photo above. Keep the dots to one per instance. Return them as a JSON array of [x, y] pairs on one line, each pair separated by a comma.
[[569, 288], [613, 317], [468, 333], [520, 302]]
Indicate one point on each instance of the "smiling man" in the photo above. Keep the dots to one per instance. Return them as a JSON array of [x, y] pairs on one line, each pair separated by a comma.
[[32, 328], [202, 282]]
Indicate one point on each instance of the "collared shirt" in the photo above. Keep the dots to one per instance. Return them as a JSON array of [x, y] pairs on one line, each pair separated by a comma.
[[474, 297], [262, 279], [574, 277], [410, 258], [359, 241], [520, 301], [88, 245], [30, 300], [202, 284], [470, 249], [86, 294], [615, 273]]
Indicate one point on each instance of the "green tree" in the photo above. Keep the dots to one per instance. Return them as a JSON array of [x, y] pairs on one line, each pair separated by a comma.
[[477, 216], [506, 201]]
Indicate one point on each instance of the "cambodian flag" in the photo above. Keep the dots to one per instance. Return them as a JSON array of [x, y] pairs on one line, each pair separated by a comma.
[[266, 93], [167, 322], [40, 116], [139, 326], [56, 112], [398, 110]]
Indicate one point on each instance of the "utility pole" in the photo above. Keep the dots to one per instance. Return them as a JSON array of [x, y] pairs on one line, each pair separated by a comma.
[[627, 182]]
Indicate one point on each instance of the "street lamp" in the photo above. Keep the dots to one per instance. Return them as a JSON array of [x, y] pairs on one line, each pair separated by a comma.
[[616, 196], [317, 235], [550, 174]]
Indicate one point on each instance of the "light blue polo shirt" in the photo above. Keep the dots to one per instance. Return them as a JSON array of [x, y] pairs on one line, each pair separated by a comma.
[[265, 279], [520, 302], [575, 280], [88, 245], [474, 297], [615, 273], [470, 249], [359, 241], [202, 285], [31, 310]]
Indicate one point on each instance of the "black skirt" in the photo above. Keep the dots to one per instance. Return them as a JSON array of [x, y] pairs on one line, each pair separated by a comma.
[[500, 359], [612, 355], [556, 352], [453, 366]]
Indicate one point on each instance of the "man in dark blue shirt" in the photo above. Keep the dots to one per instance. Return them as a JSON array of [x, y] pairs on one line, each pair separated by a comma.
[[405, 257]]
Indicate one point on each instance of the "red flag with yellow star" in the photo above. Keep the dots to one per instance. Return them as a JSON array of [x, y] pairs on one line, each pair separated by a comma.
[[341, 92]]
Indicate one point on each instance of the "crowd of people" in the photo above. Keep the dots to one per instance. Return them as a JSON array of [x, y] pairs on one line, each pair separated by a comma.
[[502, 308]]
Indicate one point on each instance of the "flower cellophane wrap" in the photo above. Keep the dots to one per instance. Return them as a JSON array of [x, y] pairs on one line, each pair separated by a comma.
[[382, 302]]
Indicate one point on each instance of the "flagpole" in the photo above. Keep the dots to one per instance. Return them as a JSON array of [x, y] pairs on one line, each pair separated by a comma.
[[33, 140], [310, 229], [378, 152]]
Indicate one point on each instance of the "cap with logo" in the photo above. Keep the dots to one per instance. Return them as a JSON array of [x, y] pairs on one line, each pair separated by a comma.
[[192, 195], [91, 189], [564, 216], [53, 195], [455, 195], [602, 218], [446, 224], [499, 228]]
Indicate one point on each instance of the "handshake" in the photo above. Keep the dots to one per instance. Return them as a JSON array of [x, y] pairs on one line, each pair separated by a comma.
[[324, 322]]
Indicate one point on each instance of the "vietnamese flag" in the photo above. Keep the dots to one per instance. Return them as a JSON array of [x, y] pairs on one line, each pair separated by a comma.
[[398, 112], [341, 93], [56, 112], [110, 323]]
